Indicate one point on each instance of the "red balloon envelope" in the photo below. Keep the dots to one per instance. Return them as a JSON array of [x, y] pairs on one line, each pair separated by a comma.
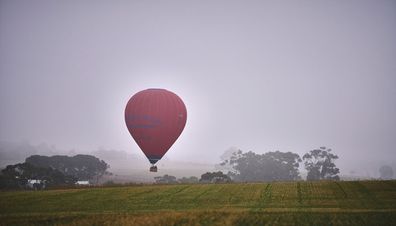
[[155, 118]]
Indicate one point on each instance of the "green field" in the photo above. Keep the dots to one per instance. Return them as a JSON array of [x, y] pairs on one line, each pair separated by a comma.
[[278, 203]]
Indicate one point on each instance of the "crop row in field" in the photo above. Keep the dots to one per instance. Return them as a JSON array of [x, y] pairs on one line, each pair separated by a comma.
[[309, 202]]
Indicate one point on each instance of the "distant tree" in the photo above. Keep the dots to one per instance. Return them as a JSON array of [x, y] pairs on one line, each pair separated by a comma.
[[215, 177], [386, 172], [109, 183], [12, 182], [166, 179], [83, 167], [224, 157], [270, 166], [188, 180], [16, 176], [320, 164]]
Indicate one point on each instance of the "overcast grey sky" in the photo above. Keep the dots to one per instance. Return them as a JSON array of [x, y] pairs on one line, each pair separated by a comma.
[[258, 75]]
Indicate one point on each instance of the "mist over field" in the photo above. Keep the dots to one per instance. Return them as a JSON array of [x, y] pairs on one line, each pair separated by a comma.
[[131, 167]]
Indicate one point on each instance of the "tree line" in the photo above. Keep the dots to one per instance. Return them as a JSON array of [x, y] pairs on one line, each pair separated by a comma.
[[281, 166], [208, 177], [271, 166], [238, 166], [58, 170]]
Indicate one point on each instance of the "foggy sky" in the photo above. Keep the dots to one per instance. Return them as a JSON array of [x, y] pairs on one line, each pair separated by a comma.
[[257, 75]]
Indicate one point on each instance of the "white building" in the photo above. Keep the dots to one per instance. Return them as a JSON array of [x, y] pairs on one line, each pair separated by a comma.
[[36, 184], [82, 182]]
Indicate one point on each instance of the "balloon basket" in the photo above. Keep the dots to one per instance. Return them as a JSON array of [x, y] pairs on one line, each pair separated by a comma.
[[153, 169]]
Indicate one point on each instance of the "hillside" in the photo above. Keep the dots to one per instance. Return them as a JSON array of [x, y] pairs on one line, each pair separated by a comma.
[[279, 203]]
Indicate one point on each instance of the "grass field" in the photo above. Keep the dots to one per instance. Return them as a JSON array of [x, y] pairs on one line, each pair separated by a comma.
[[279, 203]]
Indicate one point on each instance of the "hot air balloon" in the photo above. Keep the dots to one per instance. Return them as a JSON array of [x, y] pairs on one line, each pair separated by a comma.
[[155, 118]]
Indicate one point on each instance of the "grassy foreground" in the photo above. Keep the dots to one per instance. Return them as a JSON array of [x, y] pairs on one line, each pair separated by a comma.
[[279, 203]]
